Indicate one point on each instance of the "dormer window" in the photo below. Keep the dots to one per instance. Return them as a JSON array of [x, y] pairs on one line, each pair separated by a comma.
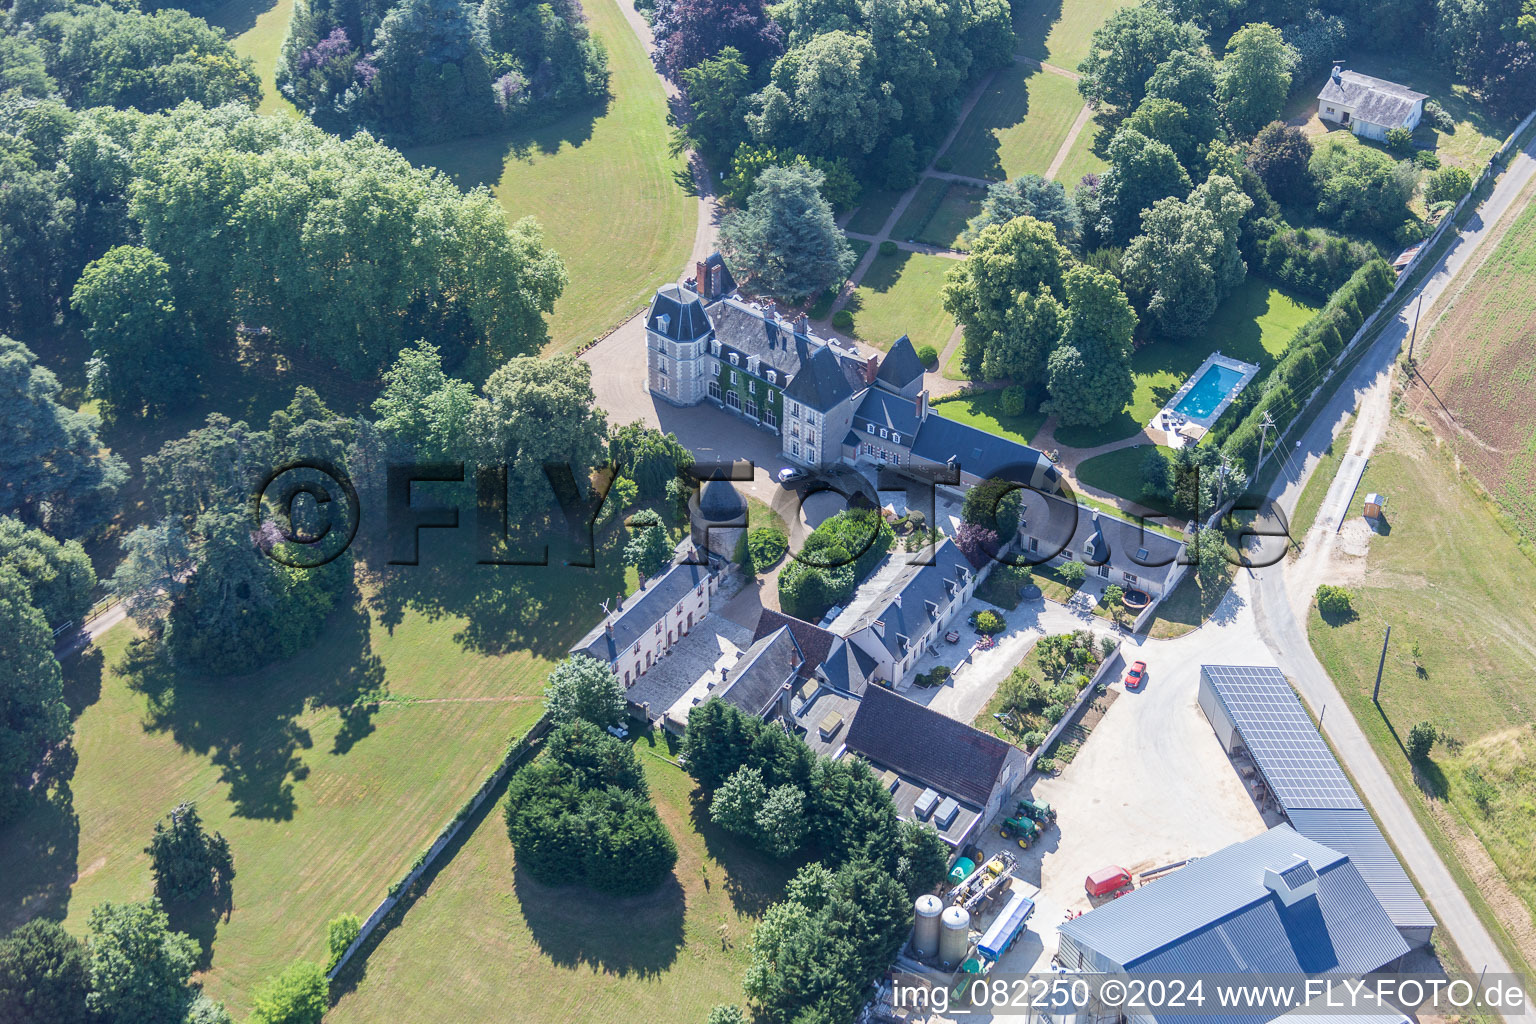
[[895, 437], [884, 434], [773, 378], [714, 346], [735, 359]]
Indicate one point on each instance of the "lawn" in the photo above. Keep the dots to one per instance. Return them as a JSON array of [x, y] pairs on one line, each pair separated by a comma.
[[1081, 158], [983, 409], [925, 203], [258, 28], [900, 295], [1449, 579], [1018, 124], [1186, 608], [484, 942], [822, 307], [323, 807], [1119, 473], [1059, 31], [959, 205], [872, 214], [611, 199], [1255, 324]]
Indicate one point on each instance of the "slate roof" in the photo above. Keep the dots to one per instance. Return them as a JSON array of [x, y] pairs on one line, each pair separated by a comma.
[[916, 598], [1216, 915], [760, 673], [882, 409], [678, 313], [1374, 100], [821, 382], [847, 667], [948, 755], [1064, 527], [815, 643], [901, 366], [640, 612], [976, 451], [752, 332]]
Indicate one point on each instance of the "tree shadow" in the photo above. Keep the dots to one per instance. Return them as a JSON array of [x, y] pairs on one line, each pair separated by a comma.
[[39, 857], [237, 17], [638, 936], [199, 918], [82, 680], [1032, 23], [1431, 779], [483, 159], [753, 880], [248, 725]]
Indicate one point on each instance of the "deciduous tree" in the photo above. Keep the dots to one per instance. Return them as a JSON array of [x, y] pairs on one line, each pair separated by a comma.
[[1126, 50], [44, 976], [584, 688], [299, 995], [33, 718], [140, 969], [1281, 156], [1255, 77]]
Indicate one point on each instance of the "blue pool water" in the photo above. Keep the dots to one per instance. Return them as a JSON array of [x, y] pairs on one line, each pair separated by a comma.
[[1202, 399]]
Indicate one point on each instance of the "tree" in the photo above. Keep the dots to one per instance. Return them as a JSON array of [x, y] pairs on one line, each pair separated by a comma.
[[1089, 375], [421, 410], [1421, 739], [826, 95], [146, 352], [1073, 573], [1187, 259], [339, 936], [689, 32], [1126, 50], [922, 859], [716, 90], [1281, 156], [582, 687], [1166, 121], [781, 824], [140, 969], [105, 56], [648, 457], [433, 81], [724, 1014], [648, 549], [738, 801], [1333, 602], [1114, 600], [59, 577], [979, 544], [1360, 188], [33, 717], [989, 622], [1142, 171], [1006, 297], [1188, 78], [786, 243], [994, 504], [187, 861], [44, 976], [538, 411], [1447, 185], [1211, 565], [1030, 195], [1255, 77], [300, 995], [1154, 474], [593, 758], [54, 473]]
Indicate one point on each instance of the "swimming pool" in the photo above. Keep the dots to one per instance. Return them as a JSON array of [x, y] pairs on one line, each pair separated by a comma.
[[1201, 400]]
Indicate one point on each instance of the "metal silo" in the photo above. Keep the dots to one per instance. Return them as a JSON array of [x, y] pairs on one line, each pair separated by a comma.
[[954, 936], [925, 926]]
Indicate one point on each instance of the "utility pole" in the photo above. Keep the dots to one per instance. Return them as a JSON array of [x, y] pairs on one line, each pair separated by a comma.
[[1414, 336], [1376, 695], [1265, 425], [1221, 479]]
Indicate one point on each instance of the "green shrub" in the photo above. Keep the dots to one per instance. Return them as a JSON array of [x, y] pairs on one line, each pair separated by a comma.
[[1334, 602], [1033, 739], [1409, 231], [928, 355], [944, 165], [836, 557], [1421, 738], [888, 248], [766, 545], [989, 622], [1399, 140], [1046, 766], [1073, 573], [1014, 401], [842, 320], [1439, 117], [1427, 159], [1448, 184], [339, 936]]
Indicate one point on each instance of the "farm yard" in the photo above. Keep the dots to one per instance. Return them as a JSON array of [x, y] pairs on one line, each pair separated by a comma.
[[485, 941], [1456, 588], [1477, 383]]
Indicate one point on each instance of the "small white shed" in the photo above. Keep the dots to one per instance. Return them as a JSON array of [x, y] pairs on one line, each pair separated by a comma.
[[1368, 106]]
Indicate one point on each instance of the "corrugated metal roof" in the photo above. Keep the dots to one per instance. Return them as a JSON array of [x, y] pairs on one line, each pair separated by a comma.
[[1313, 790], [1217, 915], [1353, 833]]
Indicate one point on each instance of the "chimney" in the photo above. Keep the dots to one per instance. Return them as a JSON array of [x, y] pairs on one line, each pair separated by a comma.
[[701, 278], [802, 325], [608, 627], [717, 280], [725, 675], [922, 405], [871, 367], [1338, 71]]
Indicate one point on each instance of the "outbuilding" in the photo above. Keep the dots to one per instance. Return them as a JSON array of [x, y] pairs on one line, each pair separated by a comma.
[[1369, 107]]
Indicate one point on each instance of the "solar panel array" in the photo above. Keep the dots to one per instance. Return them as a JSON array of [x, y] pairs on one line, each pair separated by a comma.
[[1297, 765]]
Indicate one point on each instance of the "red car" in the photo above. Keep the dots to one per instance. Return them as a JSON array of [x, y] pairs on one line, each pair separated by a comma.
[[1136, 676]]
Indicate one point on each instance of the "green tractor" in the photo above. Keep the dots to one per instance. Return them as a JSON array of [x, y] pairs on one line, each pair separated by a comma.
[[1036, 810], [1021, 827]]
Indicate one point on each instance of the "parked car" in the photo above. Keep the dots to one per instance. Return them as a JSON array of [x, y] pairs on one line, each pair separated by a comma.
[[1106, 880], [790, 474], [1136, 676]]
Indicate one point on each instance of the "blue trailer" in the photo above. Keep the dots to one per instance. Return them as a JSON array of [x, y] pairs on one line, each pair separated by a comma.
[[1006, 927]]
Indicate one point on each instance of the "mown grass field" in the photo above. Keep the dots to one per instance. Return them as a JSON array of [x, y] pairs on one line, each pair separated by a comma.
[[1254, 324], [955, 210], [1119, 473], [1018, 124], [1448, 578], [1059, 31], [484, 942], [1478, 366], [984, 410], [899, 295], [259, 28], [872, 214], [610, 198], [1081, 158], [323, 810]]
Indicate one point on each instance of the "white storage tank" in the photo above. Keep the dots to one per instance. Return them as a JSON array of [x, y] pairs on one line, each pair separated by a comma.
[[954, 936], [925, 926]]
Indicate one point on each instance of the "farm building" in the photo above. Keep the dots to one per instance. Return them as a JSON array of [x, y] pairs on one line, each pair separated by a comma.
[[1369, 107], [1278, 903], [1254, 707]]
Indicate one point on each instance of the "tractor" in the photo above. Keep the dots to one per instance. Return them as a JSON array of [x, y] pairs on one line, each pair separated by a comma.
[[1022, 827], [1036, 810]]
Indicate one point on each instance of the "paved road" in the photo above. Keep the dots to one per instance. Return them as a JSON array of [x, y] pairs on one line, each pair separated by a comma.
[[1285, 632]]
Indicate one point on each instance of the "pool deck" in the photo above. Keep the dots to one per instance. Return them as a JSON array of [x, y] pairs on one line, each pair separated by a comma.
[[1180, 429]]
